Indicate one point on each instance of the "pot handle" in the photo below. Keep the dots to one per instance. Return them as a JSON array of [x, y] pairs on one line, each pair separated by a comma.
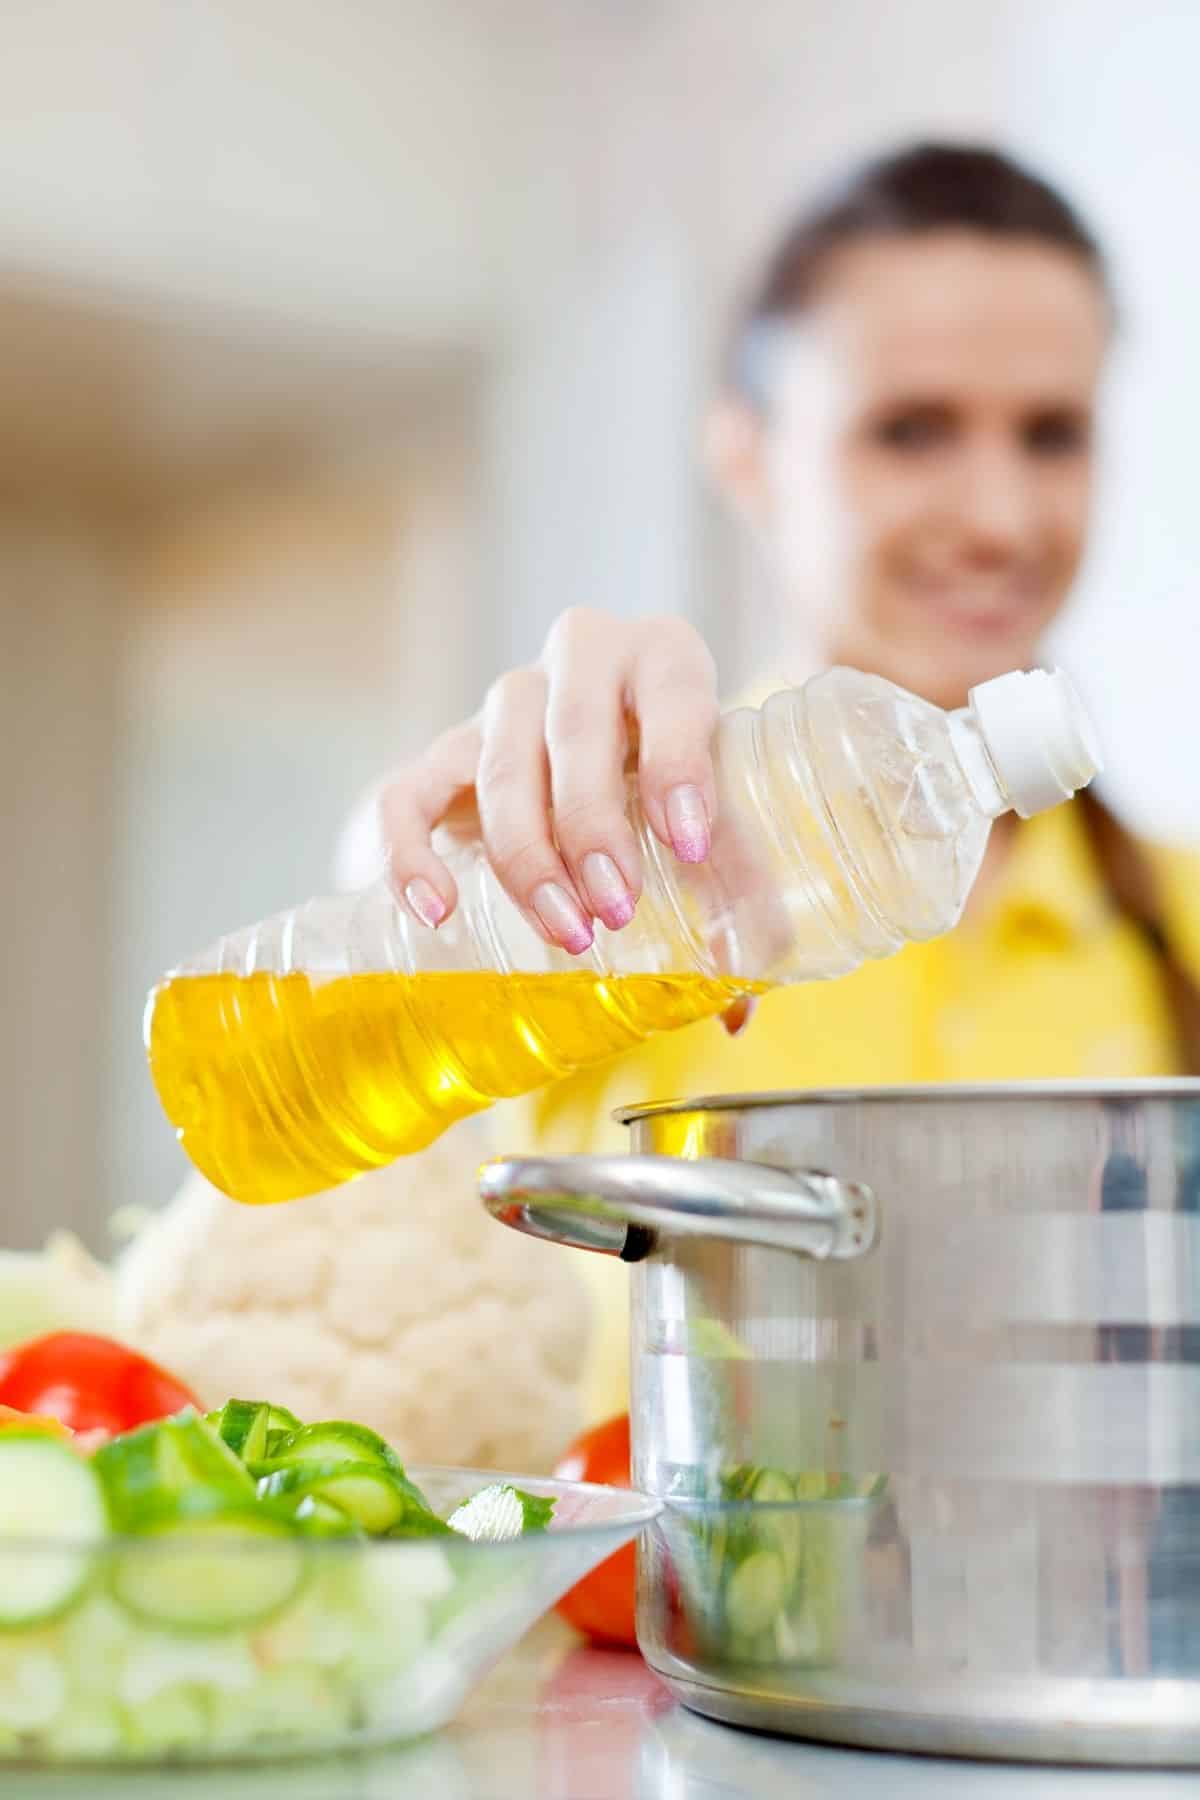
[[620, 1205]]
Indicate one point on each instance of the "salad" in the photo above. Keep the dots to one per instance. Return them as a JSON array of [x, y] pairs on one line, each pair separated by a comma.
[[220, 1583]]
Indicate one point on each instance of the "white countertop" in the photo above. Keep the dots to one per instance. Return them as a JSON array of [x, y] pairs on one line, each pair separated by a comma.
[[558, 1721]]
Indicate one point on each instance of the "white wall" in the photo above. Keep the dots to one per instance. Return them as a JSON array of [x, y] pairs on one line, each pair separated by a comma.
[[1106, 97], [338, 164], [660, 147], [61, 629]]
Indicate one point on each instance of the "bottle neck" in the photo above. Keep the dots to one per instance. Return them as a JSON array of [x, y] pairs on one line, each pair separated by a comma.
[[976, 764]]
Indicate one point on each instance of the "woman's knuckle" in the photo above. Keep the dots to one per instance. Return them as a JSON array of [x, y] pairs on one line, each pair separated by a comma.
[[500, 768], [677, 723], [576, 628], [670, 680], [677, 635], [574, 717], [521, 861], [576, 820], [512, 691], [395, 801], [669, 765]]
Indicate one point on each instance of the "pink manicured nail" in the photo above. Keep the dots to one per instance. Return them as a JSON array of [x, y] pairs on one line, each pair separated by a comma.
[[687, 822], [425, 901], [561, 917], [607, 889]]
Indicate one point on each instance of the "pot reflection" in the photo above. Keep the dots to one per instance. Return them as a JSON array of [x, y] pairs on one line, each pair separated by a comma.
[[683, 1757], [594, 1709]]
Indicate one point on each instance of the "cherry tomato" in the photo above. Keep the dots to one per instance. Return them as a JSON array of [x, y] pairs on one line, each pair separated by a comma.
[[89, 1383], [602, 1604]]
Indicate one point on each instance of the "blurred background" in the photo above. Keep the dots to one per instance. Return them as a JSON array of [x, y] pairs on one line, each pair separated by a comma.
[[342, 346]]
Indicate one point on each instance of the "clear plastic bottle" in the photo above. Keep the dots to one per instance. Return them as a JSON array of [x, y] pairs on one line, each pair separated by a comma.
[[851, 818]]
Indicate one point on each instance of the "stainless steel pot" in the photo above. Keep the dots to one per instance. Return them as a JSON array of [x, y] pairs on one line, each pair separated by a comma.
[[928, 1426]]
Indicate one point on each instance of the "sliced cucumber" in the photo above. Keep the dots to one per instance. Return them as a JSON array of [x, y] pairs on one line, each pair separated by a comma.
[[34, 1692], [755, 1593], [772, 1488], [323, 1519], [210, 1574], [47, 1491], [289, 1707], [820, 1484], [499, 1513], [87, 1729], [175, 1722], [243, 1425], [337, 1441], [176, 1466], [781, 1526], [711, 1339], [373, 1496], [417, 1523], [252, 1428], [170, 1659], [280, 1427]]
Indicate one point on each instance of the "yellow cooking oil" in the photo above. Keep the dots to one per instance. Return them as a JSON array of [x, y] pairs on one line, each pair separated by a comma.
[[284, 1085]]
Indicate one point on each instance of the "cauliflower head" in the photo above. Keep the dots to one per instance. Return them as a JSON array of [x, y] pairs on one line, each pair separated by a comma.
[[394, 1301], [58, 1288]]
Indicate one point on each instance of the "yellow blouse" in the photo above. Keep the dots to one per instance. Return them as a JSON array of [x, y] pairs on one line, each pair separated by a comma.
[[1046, 981]]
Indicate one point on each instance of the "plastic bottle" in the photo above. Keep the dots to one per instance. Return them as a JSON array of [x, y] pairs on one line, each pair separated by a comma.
[[851, 818]]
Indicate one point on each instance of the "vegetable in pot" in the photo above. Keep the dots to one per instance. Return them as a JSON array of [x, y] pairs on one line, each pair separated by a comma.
[[768, 1572]]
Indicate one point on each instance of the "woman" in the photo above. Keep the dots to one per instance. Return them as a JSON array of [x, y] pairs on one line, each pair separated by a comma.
[[907, 424]]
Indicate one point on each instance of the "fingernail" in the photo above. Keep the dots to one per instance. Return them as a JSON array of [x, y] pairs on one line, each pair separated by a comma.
[[739, 1015], [687, 822], [425, 901], [561, 917], [607, 889]]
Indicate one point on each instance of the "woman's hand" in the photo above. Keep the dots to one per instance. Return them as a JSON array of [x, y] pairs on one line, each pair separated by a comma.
[[540, 773]]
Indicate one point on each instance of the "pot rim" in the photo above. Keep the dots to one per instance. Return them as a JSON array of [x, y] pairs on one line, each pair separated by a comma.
[[1150, 1087]]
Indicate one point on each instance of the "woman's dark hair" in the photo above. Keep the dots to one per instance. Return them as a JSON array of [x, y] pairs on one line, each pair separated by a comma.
[[924, 188], [945, 187]]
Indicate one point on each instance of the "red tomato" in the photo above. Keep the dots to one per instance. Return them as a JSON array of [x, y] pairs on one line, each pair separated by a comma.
[[602, 1604], [89, 1383]]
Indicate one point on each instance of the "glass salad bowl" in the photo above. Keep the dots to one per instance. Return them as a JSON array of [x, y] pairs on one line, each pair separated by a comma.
[[224, 1647]]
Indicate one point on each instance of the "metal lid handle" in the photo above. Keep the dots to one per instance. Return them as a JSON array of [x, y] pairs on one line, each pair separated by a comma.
[[621, 1204]]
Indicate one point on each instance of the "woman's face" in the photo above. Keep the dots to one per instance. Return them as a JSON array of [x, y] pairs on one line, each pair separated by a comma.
[[924, 473]]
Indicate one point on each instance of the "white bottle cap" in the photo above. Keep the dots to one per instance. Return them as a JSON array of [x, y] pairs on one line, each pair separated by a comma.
[[1039, 738]]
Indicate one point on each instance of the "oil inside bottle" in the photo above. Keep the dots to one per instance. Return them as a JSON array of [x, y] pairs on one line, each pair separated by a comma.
[[284, 1085]]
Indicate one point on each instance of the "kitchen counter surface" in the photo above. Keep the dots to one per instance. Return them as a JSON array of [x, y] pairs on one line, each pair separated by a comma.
[[557, 1721]]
